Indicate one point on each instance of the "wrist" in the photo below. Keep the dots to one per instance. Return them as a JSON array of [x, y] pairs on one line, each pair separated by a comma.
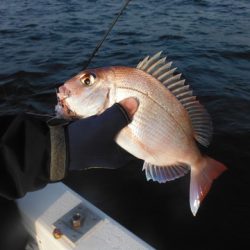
[[58, 150]]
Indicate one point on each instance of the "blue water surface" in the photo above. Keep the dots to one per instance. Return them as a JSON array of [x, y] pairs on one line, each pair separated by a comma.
[[44, 43]]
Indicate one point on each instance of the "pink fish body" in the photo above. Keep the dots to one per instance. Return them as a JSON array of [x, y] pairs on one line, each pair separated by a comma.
[[165, 128]]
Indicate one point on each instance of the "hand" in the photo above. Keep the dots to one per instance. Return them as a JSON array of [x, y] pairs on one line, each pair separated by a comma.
[[91, 140]]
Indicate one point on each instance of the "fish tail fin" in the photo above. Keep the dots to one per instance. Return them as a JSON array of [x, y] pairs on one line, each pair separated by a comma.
[[201, 180]]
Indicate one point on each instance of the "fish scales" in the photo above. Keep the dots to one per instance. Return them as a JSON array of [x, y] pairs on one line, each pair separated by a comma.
[[152, 107], [154, 90], [153, 132]]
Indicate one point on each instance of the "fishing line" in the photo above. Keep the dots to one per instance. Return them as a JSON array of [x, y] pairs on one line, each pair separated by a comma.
[[86, 64], [98, 46]]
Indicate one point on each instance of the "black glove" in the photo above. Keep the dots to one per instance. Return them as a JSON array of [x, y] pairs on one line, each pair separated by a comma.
[[91, 140]]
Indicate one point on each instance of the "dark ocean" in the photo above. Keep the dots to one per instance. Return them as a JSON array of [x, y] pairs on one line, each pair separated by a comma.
[[44, 43]]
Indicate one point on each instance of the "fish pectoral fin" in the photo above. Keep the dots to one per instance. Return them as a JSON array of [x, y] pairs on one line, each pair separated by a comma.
[[163, 174]]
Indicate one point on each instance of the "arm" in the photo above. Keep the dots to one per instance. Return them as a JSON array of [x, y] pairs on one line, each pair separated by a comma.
[[24, 155], [33, 153]]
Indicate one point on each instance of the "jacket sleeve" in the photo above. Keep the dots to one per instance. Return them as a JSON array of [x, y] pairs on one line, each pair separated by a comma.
[[32, 154]]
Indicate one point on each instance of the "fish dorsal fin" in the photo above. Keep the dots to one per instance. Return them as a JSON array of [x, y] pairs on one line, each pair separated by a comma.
[[163, 174], [160, 69]]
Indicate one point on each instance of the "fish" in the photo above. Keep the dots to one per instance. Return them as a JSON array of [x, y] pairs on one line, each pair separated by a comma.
[[166, 127]]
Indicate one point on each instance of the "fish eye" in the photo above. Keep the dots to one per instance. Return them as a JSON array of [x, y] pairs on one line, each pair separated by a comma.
[[88, 79]]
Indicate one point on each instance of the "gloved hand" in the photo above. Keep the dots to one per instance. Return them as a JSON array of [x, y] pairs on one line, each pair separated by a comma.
[[91, 140]]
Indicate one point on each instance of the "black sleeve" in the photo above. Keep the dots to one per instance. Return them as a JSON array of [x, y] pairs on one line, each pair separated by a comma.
[[32, 154]]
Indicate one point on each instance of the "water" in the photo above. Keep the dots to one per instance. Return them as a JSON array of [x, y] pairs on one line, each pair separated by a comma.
[[43, 43]]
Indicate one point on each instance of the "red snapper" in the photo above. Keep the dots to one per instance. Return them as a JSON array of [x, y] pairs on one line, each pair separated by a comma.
[[164, 130]]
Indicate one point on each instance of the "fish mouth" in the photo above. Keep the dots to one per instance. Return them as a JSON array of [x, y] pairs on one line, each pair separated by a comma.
[[63, 92], [63, 108]]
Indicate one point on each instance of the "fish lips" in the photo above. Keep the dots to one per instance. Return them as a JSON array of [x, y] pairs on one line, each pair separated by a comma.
[[62, 107], [63, 92]]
